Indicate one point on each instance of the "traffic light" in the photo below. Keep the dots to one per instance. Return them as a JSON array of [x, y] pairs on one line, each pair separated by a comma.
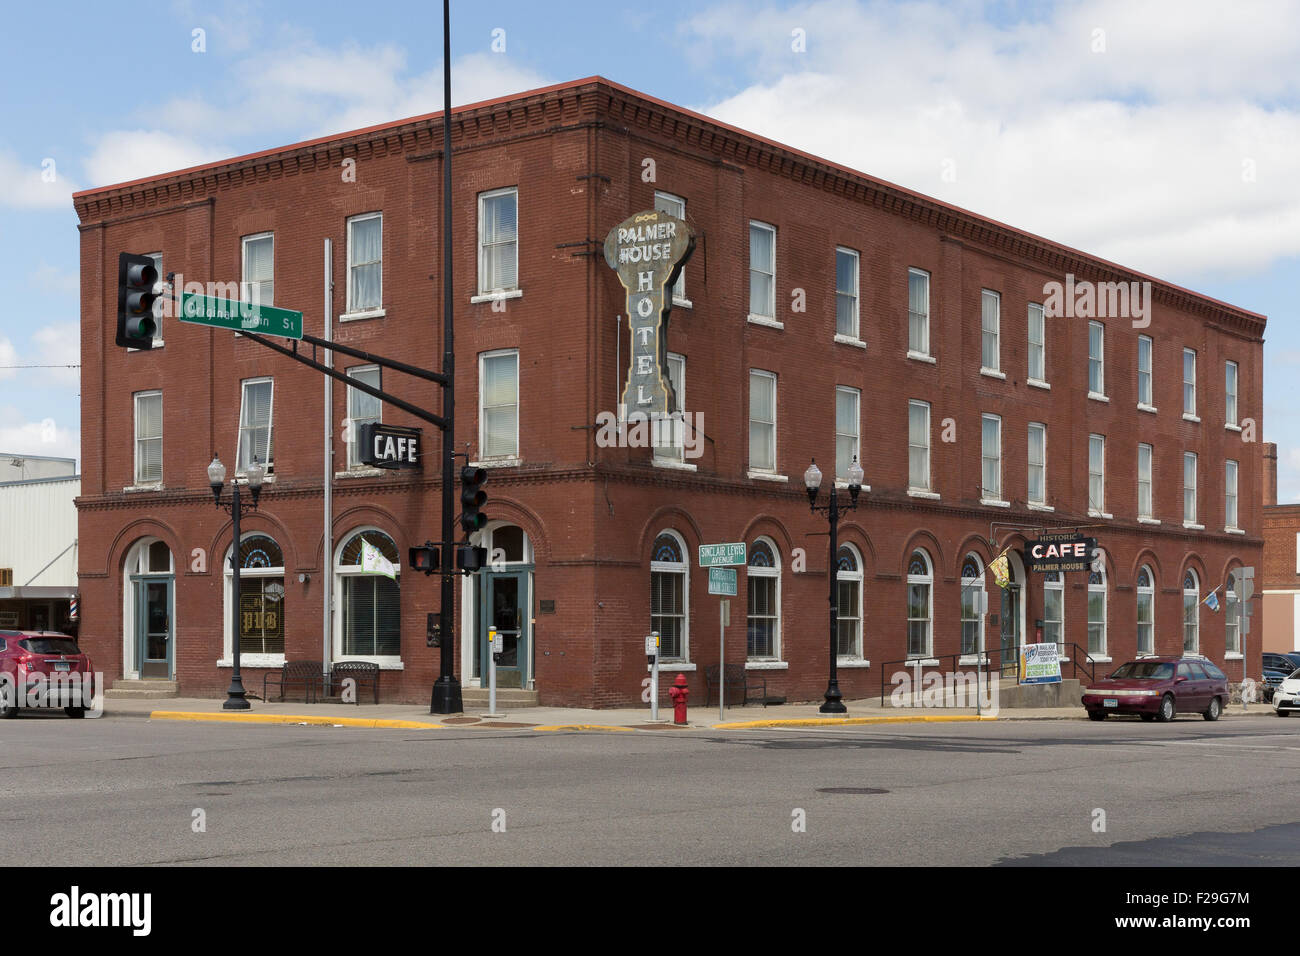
[[470, 558], [426, 558], [136, 276], [472, 497]]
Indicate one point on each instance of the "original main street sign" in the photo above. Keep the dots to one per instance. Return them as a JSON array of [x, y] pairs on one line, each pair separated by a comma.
[[647, 251], [722, 581], [389, 446], [716, 555], [240, 316], [1064, 551]]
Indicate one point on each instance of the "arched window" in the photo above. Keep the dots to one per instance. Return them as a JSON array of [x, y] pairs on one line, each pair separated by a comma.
[[763, 621], [848, 588], [261, 599], [668, 595], [1146, 608], [1231, 619], [920, 604], [1097, 613], [148, 612], [1191, 612], [1054, 608], [368, 624], [972, 621]]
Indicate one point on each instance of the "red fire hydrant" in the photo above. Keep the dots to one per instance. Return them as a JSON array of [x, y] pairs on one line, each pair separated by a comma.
[[678, 693]]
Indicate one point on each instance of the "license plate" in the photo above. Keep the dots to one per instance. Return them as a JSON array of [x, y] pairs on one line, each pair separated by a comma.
[[1110, 702], [63, 665]]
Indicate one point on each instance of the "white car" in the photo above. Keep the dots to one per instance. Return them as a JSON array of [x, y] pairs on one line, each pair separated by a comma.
[[1286, 699]]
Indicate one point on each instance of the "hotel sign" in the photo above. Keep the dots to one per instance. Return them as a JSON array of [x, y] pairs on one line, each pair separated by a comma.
[[647, 251], [1060, 552]]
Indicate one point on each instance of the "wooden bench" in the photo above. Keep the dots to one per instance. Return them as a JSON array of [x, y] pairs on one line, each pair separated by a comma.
[[308, 674], [753, 686], [365, 673]]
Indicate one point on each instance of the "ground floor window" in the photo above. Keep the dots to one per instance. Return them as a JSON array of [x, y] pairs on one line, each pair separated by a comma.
[[1053, 608], [1146, 614], [763, 620], [1231, 622], [668, 596], [972, 621], [848, 615], [261, 595], [1191, 612], [1097, 613], [920, 582], [370, 604]]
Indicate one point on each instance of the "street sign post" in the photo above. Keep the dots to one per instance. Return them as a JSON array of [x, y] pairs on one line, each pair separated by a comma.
[[717, 555], [240, 316], [722, 581]]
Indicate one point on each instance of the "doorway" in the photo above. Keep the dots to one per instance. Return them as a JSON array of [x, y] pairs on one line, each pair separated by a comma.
[[504, 606], [153, 626], [1011, 614]]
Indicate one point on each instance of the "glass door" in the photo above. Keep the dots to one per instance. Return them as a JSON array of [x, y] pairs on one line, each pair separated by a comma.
[[504, 606], [153, 624]]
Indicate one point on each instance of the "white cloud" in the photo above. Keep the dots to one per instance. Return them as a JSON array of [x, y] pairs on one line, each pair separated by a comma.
[[123, 155], [8, 357], [50, 280], [34, 185], [1135, 154], [57, 345], [48, 436]]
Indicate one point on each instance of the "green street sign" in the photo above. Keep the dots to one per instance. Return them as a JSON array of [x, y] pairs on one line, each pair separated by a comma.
[[722, 581], [712, 555], [240, 316]]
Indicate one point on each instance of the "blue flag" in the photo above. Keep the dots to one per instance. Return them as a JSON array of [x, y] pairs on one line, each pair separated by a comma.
[[1212, 602]]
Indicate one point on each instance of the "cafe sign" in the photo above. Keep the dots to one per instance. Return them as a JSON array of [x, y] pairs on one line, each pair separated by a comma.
[[647, 251], [1065, 551], [390, 446]]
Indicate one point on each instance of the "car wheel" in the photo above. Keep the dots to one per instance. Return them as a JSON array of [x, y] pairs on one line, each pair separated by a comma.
[[1096, 715], [75, 711], [1148, 717], [1280, 713], [1212, 712], [1166, 709]]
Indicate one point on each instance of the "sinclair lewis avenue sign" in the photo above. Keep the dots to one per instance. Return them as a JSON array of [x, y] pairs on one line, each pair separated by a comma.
[[1063, 551], [647, 251]]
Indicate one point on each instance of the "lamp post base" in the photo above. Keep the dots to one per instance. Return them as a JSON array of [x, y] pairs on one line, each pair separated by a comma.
[[446, 697], [235, 699], [834, 704]]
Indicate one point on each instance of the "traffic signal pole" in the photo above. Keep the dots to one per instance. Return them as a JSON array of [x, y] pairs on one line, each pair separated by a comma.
[[446, 691]]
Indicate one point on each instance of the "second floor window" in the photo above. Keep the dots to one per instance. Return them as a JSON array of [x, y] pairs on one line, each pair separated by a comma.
[[990, 323], [1144, 371], [498, 241], [1189, 487], [1230, 393], [498, 393], [1144, 481], [1037, 343], [363, 409], [670, 433], [918, 311], [1037, 463], [762, 421], [259, 269], [846, 430], [1096, 358], [846, 293], [365, 262], [918, 446], [674, 206], [991, 458], [1230, 494], [762, 270], [148, 438], [1189, 382], [255, 420], [1096, 474]]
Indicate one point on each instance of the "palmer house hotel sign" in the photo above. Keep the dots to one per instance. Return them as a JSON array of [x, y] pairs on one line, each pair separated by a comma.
[[647, 250]]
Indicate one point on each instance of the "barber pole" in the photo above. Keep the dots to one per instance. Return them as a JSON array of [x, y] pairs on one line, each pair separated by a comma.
[[73, 609]]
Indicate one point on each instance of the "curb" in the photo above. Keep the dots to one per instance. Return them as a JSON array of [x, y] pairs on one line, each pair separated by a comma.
[[844, 721], [373, 722], [561, 727]]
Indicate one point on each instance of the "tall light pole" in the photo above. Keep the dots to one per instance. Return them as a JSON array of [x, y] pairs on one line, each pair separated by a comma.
[[812, 479], [235, 699]]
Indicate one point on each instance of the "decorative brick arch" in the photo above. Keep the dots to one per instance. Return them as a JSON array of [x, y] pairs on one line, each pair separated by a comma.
[[143, 528], [669, 516], [771, 527], [254, 522], [922, 539], [1148, 556], [973, 542], [853, 533]]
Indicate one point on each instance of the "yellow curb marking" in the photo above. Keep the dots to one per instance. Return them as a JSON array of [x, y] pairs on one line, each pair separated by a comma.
[[627, 730], [841, 721], [373, 722]]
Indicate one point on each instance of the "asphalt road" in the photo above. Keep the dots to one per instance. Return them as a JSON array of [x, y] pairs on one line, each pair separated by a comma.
[[126, 791]]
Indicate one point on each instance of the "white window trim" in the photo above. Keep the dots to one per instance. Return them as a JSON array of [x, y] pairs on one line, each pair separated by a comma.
[[496, 296], [270, 425], [847, 340], [1097, 512], [243, 260], [857, 293], [922, 357], [1150, 372], [353, 445], [755, 472], [1150, 591], [926, 490], [684, 569], [1232, 527], [1035, 383], [851, 577], [1040, 503], [135, 439], [677, 460], [756, 317], [927, 354], [352, 314], [1191, 522], [1042, 314], [679, 297], [928, 579], [227, 596], [1058, 585], [1189, 415], [1100, 393], [975, 583], [487, 294], [857, 425], [776, 661], [1151, 481], [1103, 588], [997, 499], [1147, 408], [994, 370], [385, 661], [1236, 394], [482, 361]]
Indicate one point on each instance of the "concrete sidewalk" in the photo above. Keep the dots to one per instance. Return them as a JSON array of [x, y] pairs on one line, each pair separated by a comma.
[[414, 716]]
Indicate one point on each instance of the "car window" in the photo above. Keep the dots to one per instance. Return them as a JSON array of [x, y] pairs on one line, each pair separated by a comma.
[[1214, 672], [1195, 671], [1144, 670], [50, 645], [1185, 669]]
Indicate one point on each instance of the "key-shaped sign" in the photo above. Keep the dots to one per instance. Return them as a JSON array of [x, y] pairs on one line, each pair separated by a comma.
[[647, 251]]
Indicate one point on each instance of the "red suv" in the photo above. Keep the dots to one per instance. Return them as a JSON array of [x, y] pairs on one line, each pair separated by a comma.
[[43, 669], [1156, 688]]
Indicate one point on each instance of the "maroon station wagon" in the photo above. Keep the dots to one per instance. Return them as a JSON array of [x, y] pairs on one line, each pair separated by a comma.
[[31, 658], [1156, 688]]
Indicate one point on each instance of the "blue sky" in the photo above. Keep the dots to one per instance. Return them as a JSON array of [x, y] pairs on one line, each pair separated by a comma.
[[1163, 135]]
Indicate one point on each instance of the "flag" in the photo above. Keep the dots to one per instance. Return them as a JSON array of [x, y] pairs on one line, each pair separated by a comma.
[[1212, 602], [373, 561], [1001, 570]]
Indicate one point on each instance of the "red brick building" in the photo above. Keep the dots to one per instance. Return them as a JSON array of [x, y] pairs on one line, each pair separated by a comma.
[[823, 314], [1280, 578]]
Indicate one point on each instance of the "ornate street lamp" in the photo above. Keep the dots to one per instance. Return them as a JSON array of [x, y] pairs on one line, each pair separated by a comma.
[[235, 699], [812, 480]]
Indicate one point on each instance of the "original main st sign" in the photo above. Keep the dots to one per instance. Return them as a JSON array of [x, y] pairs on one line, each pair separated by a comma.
[[647, 251], [1060, 552], [390, 446]]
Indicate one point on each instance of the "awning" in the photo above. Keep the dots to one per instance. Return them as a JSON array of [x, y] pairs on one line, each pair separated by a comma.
[[37, 593]]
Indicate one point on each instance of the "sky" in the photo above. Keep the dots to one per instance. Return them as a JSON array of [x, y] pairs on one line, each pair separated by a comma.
[[1163, 135]]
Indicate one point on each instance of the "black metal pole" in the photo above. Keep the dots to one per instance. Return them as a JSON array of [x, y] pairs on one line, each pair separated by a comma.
[[446, 691], [235, 699], [834, 700]]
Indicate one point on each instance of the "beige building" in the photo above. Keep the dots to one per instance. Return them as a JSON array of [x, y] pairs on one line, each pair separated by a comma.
[[38, 542]]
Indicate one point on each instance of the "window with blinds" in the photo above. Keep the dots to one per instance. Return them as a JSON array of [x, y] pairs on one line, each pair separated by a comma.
[[363, 409], [499, 405], [498, 241], [762, 270], [371, 609], [255, 424], [148, 438], [918, 311], [259, 269]]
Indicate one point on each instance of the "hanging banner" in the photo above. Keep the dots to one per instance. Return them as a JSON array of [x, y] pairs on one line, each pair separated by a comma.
[[1040, 664]]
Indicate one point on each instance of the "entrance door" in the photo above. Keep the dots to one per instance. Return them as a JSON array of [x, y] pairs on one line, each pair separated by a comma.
[[153, 627], [505, 603], [1010, 625]]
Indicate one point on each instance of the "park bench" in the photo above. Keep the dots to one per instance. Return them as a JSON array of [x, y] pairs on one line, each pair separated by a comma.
[[753, 686], [307, 674], [365, 673]]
